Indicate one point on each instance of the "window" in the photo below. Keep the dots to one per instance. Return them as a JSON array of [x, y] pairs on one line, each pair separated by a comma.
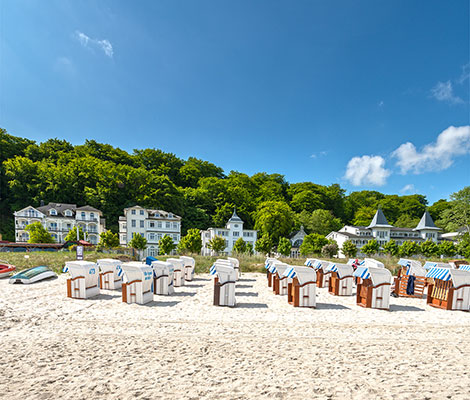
[[133, 223], [382, 234], [175, 225], [133, 212], [69, 226], [236, 225], [170, 215], [92, 215], [175, 238], [236, 233], [141, 212], [123, 238], [142, 224], [159, 224], [159, 236], [53, 212], [152, 236], [167, 224], [152, 224], [83, 215]]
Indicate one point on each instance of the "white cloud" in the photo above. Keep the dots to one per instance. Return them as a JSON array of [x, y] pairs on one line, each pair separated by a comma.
[[321, 153], [86, 41], [465, 73], [381, 103], [443, 91], [367, 170], [410, 188], [437, 156]]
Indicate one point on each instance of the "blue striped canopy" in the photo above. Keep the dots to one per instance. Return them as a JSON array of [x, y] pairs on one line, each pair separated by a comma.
[[439, 273], [404, 262], [272, 269], [309, 263], [429, 264], [362, 272], [266, 266], [332, 268], [290, 272], [316, 265], [213, 270], [464, 268]]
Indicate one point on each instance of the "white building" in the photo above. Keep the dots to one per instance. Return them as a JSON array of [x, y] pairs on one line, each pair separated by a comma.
[[296, 240], [380, 230], [151, 224], [59, 219], [231, 233]]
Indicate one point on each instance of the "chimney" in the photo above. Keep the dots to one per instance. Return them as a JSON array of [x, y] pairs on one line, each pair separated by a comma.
[[42, 203]]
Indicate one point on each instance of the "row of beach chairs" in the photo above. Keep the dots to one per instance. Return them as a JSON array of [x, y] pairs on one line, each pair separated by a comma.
[[138, 281], [448, 285]]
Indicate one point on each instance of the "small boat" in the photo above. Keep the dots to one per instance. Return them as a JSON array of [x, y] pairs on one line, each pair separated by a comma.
[[6, 269], [32, 275]]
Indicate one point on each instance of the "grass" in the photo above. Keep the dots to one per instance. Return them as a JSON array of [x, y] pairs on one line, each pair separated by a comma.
[[56, 260]]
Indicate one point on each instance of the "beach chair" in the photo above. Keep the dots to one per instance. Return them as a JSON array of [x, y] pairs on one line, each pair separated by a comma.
[[450, 288], [373, 289], [280, 281], [189, 265], [137, 283], [410, 280], [267, 265], [109, 273], [323, 275], [341, 279], [301, 292], [163, 278], [236, 266], [84, 279], [224, 284], [178, 272], [149, 260]]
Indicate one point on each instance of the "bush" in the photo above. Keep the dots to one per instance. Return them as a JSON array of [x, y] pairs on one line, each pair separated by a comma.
[[329, 250], [371, 247], [349, 249]]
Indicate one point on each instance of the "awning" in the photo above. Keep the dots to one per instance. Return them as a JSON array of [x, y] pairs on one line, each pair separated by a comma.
[[439, 273], [290, 272], [331, 268], [464, 268], [362, 272]]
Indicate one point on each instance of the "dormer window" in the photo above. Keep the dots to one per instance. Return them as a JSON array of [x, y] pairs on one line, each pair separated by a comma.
[[92, 215], [170, 215], [68, 213], [53, 212]]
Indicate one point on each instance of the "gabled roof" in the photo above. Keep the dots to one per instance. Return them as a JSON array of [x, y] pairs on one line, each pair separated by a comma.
[[379, 220], [59, 207], [426, 222], [301, 230], [88, 208]]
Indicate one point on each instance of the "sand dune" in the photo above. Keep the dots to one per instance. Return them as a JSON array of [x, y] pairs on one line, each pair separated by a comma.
[[182, 347]]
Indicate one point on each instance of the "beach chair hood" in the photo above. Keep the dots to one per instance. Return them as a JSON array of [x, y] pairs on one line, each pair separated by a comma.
[[460, 277], [281, 269], [162, 268], [303, 274], [342, 269], [225, 273], [377, 275], [188, 261], [370, 262], [177, 263], [414, 267], [138, 271]]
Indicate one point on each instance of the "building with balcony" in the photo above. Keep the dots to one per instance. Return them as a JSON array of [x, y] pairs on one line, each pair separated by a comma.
[[151, 224], [380, 230], [59, 219], [231, 233]]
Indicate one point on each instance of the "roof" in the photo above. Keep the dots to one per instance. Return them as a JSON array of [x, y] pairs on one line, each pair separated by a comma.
[[426, 222], [88, 208], [235, 217], [379, 220], [59, 207], [301, 230]]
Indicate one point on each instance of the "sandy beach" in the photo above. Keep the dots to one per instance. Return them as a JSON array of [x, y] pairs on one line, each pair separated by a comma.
[[182, 347]]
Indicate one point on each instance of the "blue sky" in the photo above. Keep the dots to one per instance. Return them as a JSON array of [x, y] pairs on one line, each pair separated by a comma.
[[368, 94]]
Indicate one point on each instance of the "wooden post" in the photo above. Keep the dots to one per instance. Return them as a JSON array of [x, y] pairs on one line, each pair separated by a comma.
[[216, 292], [124, 292]]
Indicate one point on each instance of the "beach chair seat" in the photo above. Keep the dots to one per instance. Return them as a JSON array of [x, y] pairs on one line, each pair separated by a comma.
[[84, 279], [109, 273], [163, 278], [224, 284], [137, 283], [281, 282], [302, 290], [410, 268], [178, 272], [189, 265], [450, 289], [373, 290]]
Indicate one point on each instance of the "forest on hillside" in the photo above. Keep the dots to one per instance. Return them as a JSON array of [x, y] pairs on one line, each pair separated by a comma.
[[111, 179]]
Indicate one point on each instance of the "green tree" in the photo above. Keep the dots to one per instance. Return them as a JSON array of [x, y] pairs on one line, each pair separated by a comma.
[[39, 234], [329, 250], [463, 246], [108, 239], [447, 249], [429, 248], [284, 246], [364, 215], [407, 249], [458, 215], [319, 221], [239, 246], [166, 245], [264, 245], [249, 249], [273, 218], [406, 221], [138, 242], [349, 249], [312, 244], [391, 248], [217, 244], [192, 242], [72, 235], [371, 247]]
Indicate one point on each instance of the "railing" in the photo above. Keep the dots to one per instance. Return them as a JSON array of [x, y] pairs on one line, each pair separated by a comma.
[[87, 219]]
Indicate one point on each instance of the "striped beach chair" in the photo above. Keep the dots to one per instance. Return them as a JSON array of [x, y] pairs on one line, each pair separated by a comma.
[[450, 288], [163, 278], [84, 279], [341, 279], [410, 269], [280, 281], [301, 292], [178, 272], [137, 283], [109, 273], [224, 283], [373, 289]]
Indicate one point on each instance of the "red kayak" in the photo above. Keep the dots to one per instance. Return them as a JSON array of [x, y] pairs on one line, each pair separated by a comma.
[[6, 269]]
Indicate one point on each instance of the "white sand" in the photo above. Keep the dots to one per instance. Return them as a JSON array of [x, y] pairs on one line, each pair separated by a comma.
[[182, 347]]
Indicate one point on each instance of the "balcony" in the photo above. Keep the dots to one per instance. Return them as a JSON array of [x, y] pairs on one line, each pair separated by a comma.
[[87, 219]]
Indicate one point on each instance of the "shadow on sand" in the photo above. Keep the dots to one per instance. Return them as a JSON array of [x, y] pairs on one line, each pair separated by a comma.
[[184, 294], [397, 307], [330, 306], [247, 294], [162, 303], [251, 305], [193, 286], [244, 286]]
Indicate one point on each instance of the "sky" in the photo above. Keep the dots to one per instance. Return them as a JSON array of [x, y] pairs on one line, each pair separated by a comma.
[[373, 95]]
